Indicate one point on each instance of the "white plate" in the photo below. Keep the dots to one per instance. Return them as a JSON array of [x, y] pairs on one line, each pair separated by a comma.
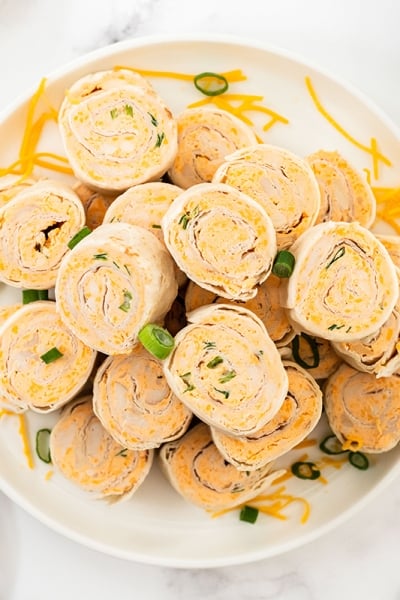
[[156, 526]]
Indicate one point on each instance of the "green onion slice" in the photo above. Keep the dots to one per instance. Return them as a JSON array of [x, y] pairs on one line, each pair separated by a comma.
[[248, 514], [331, 445], [29, 296], [78, 237], [157, 340], [43, 445], [359, 460], [217, 360], [313, 347], [51, 355], [283, 264], [305, 470], [211, 84]]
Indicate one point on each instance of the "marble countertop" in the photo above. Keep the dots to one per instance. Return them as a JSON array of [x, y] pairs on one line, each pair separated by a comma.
[[355, 40]]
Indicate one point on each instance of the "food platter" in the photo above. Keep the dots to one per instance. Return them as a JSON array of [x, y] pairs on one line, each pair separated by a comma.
[[288, 102]]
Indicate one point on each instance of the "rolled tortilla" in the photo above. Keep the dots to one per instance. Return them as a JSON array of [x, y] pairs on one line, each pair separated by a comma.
[[12, 185], [297, 417], [222, 239], [134, 403], [145, 205], [345, 193], [392, 245], [5, 313], [326, 358], [266, 305], [363, 411], [344, 285], [84, 453], [35, 228], [115, 281], [206, 135], [227, 370], [94, 203], [199, 473], [281, 182], [26, 381], [379, 353], [117, 131]]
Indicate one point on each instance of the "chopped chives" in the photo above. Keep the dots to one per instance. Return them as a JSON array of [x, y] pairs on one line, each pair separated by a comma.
[[101, 256], [283, 264], [227, 377], [305, 470], [160, 139], [43, 294], [153, 120], [209, 345], [225, 393], [78, 237], [155, 226], [113, 113], [211, 84], [217, 360], [314, 350], [125, 306], [52, 355], [359, 460], [249, 514], [128, 110], [122, 452], [42, 445], [338, 255]]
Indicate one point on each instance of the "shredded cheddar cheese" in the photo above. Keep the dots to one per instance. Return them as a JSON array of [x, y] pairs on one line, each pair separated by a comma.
[[23, 432], [388, 205], [372, 150], [306, 444], [239, 104], [49, 475], [273, 504], [28, 158], [231, 76]]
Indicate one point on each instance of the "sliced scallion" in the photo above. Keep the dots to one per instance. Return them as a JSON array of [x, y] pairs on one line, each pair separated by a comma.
[[217, 360], [52, 355], [29, 296], [78, 237], [43, 445], [359, 460], [313, 347], [157, 340], [283, 264], [211, 84], [249, 514], [305, 470], [331, 445], [43, 294]]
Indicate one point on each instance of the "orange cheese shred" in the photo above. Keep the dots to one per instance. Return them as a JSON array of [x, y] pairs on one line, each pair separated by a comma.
[[231, 76], [23, 432], [372, 150], [239, 104], [306, 444]]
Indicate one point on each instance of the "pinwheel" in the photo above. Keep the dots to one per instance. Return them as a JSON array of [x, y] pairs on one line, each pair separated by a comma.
[[145, 205], [227, 370], [42, 364], [135, 404], [83, 452], [115, 281], [379, 353], [116, 130], [345, 193], [11, 185], [206, 135], [363, 411], [199, 473], [281, 182], [344, 285], [266, 305], [222, 239], [297, 417], [35, 228]]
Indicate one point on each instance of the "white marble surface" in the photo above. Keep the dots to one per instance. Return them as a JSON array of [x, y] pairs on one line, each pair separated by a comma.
[[355, 39]]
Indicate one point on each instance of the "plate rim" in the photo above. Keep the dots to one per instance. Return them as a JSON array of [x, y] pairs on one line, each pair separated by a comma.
[[307, 537]]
